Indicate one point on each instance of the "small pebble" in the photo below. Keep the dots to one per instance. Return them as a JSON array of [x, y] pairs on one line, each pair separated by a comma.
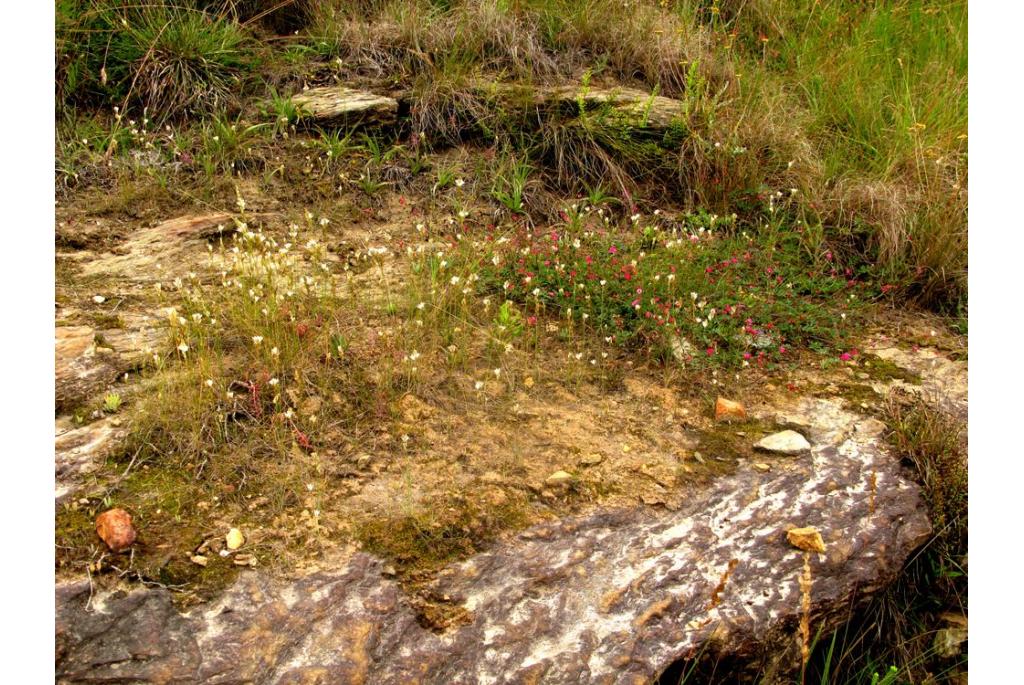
[[234, 539]]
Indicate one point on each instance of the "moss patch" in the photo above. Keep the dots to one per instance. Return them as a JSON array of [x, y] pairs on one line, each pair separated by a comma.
[[452, 527], [163, 505], [884, 370]]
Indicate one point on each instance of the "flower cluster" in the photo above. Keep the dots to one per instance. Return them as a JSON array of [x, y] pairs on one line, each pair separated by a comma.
[[658, 279]]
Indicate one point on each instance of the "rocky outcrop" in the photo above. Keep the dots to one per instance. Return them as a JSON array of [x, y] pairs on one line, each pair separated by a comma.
[[82, 368], [163, 249], [87, 361], [943, 381], [637, 107], [340, 105], [79, 449], [614, 596]]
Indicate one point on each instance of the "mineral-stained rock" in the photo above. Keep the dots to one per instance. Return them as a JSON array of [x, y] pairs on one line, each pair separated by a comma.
[[115, 528], [729, 410], [613, 596], [785, 442], [339, 104], [807, 539]]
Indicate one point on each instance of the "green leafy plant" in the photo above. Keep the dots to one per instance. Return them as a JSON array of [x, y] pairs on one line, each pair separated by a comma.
[[224, 141], [445, 178], [111, 402], [335, 146], [284, 111], [510, 186], [369, 183], [339, 345], [378, 152], [508, 322]]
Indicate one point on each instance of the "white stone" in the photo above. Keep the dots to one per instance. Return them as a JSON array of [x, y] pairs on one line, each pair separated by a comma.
[[784, 442]]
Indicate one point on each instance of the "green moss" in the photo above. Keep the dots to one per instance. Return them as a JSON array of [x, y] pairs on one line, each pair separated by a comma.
[[884, 370], [162, 503], [453, 527], [75, 531], [722, 448], [724, 445], [103, 320]]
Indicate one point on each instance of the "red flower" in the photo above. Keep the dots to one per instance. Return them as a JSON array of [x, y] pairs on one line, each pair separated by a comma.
[[302, 439]]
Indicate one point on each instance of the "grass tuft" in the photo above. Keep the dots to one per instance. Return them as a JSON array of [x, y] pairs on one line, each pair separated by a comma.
[[169, 59]]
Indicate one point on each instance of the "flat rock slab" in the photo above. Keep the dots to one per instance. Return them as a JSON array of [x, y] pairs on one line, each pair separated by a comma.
[[79, 449], [162, 249], [338, 104], [654, 111], [784, 442], [82, 368], [640, 108], [615, 596], [943, 380]]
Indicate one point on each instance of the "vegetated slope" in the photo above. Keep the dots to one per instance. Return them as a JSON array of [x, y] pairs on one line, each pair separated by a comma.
[[862, 108], [817, 164]]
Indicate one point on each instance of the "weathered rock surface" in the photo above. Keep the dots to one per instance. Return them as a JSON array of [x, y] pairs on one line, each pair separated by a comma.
[[943, 380], [784, 442], [338, 104], [87, 361], [610, 597], [639, 108], [82, 367], [79, 449], [161, 250]]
